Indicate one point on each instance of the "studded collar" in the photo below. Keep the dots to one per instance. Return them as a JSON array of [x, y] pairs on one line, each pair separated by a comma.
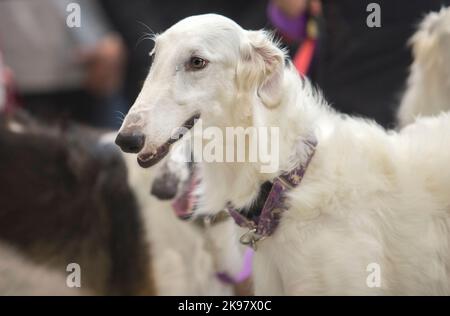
[[266, 220]]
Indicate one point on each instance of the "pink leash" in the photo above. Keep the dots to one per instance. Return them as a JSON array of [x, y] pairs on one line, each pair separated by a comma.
[[245, 272]]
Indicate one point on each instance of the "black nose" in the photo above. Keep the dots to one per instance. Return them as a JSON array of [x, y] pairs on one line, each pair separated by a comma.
[[130, 142]]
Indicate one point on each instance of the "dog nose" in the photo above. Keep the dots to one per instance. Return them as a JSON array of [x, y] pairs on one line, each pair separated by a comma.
[[130, 142]]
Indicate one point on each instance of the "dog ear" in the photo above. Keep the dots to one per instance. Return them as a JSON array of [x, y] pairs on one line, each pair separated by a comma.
[[423, 44], [430, 39], [261, 67]]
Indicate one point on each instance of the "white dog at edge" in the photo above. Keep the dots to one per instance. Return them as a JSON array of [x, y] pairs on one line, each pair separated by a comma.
[[428, 89], [368, 196]]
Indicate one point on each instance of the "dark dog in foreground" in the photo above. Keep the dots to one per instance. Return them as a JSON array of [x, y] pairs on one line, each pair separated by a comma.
[[65, 199]]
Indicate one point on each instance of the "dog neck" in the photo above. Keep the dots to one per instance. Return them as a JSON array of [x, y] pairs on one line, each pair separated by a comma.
[[239, 183]]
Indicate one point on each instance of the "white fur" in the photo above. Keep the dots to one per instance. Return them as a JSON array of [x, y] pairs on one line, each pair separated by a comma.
[[428, 90], [184, 258], [368, 196], [19, 276]]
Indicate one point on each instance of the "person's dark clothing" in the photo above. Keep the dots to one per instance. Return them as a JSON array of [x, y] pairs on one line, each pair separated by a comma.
[[363, 70], [133, 18]]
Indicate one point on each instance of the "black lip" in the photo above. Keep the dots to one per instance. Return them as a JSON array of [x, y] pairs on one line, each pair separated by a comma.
[[148, 160], [186, 126]]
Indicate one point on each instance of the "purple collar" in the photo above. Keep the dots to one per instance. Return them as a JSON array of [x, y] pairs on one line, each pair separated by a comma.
[[266, 223]]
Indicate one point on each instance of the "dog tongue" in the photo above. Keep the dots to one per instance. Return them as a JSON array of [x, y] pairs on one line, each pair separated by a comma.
[[184, 205]]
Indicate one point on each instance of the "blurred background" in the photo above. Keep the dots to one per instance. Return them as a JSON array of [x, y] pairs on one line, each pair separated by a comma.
[[64, 195], [92, 72]]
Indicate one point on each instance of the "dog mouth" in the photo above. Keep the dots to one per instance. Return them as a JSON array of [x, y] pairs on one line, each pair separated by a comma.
[[184, 205], [147, 159]]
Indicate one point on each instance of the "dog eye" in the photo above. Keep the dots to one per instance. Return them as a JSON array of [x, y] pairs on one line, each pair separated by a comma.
[[196, 63]]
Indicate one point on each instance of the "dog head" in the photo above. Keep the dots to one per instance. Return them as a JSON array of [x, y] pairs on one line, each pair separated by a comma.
[[431, 42], [174, 173], [204, 66]]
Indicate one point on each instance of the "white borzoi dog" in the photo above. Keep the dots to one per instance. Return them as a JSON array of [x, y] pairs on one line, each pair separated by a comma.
[[428, 90], [371, 214]]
